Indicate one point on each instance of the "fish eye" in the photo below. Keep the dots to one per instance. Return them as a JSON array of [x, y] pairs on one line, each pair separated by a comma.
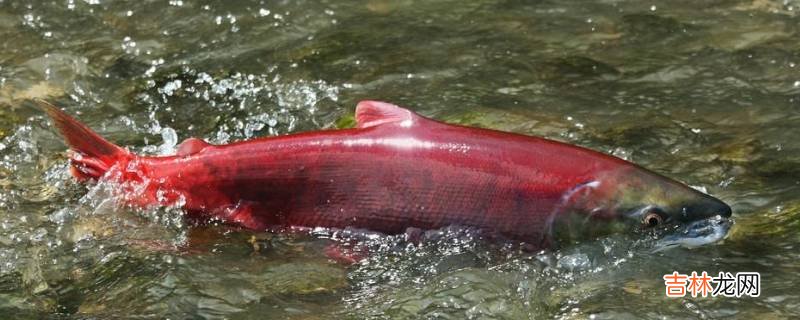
[[652, 219]]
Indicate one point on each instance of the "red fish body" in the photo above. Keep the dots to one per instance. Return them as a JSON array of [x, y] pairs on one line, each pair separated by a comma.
[[394, 171]]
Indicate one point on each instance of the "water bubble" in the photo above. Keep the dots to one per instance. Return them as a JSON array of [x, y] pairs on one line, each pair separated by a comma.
[[170, 140], [574, 262], [38, 235], [129, 46], [170, 87]]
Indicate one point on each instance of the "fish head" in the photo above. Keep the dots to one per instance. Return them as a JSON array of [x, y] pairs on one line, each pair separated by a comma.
[[635, 200], [651, 200]]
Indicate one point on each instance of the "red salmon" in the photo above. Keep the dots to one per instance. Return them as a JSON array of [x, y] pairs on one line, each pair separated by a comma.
[[394, 171]]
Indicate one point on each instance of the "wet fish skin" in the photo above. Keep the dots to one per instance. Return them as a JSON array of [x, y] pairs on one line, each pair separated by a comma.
[[395, 170]]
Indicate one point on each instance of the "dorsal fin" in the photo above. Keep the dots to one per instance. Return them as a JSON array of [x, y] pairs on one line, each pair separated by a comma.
[[191, 146], [373, 113]]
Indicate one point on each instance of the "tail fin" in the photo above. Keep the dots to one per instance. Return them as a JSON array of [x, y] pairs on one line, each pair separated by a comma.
[[93, 155]]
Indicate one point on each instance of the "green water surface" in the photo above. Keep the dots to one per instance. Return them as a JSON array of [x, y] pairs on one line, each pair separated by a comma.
[[707, 92]]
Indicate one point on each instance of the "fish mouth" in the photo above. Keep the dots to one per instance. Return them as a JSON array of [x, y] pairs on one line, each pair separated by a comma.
[[697, 233]]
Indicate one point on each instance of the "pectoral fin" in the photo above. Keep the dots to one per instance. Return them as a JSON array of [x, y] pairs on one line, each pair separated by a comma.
[[245, 214]]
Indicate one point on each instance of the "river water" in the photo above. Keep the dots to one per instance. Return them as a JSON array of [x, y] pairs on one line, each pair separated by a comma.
[[707, 92]]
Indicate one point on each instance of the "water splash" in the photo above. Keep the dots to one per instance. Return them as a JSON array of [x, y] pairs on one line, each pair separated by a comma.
[[255, 104]]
